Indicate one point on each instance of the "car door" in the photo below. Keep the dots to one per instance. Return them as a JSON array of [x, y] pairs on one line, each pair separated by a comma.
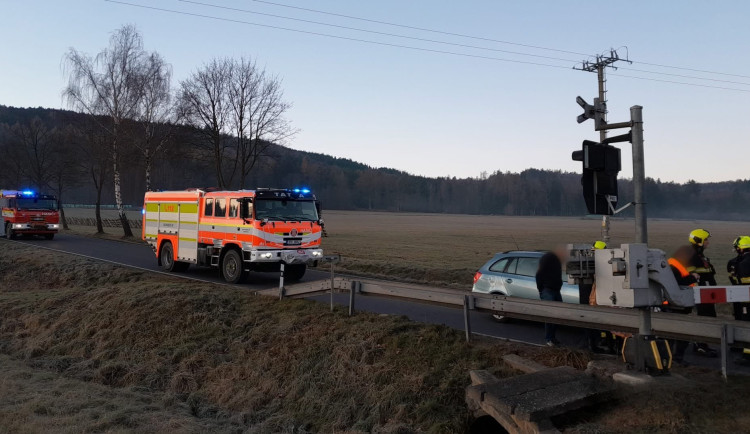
[[521, 277], [493, 277]]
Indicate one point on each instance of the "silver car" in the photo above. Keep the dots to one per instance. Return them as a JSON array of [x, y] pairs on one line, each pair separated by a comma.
[[514, 274]]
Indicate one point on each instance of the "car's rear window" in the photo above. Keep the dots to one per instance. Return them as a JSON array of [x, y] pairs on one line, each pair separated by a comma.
[[499, 266], [527, 266]]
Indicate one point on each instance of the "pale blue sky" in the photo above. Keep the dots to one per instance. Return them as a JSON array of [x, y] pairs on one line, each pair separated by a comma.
[[436, 114]]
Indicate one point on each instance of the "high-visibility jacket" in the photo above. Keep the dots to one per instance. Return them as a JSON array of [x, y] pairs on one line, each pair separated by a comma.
[[682, 273]]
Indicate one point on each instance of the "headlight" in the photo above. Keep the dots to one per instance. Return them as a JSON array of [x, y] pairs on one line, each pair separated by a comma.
[[266, 255], [316, 253], [19, 226], [53, 226]]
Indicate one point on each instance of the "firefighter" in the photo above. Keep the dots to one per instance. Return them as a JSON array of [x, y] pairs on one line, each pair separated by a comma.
[[742, 277], [700, 264], [680, 263], [741, 309]]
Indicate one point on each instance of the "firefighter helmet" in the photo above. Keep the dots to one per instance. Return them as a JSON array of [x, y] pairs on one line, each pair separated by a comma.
[[598, 245], [736, 242], [744, 243], [699, 236]]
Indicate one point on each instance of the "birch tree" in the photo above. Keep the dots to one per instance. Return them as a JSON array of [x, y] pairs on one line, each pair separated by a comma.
[[110, 85], [155, 114]]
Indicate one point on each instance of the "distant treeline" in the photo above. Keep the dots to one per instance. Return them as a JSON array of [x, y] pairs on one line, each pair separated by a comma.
[[339, 183]]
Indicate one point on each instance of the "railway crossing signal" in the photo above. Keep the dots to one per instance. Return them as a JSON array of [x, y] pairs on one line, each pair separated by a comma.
[[597, 112], [601, 164]]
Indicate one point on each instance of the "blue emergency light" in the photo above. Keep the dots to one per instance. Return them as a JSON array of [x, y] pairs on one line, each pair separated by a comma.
[[27, 193]]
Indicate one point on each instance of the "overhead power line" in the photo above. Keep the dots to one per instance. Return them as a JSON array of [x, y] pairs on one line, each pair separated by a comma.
[[414, 38], [346, 38], [423, 29], [407, 47], [538, 47], [680, 82]]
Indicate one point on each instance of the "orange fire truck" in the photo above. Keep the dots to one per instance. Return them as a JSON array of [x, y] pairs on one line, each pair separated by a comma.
[[28, 213], [235, 231]]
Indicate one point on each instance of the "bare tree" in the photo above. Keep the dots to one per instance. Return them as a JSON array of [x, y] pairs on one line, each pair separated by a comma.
[[235, 97], [257, 114], [65, 171], [155, 115], [32, 151], [110, 85], [90, 145], [203, 105]]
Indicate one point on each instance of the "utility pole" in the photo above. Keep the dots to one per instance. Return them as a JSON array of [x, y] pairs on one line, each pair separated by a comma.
[[639, 174], [599, 66]]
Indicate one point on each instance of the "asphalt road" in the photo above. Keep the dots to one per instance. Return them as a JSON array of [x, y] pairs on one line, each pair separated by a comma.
[[141, 256]]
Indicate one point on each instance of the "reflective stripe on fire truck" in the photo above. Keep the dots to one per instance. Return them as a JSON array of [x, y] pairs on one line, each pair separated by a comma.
[[174, 218], [246, 230]]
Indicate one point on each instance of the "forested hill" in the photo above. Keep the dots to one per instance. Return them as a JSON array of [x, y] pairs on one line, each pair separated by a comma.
[[339, 183]]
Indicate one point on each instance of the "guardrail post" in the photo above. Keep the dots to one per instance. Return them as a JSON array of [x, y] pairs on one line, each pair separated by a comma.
[[642, 338], [281, 282], [332, 286], [467, 322], [352, 290], [724, 349]]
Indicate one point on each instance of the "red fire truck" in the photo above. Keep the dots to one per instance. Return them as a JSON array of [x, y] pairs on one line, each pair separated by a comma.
[[25, 212], [234, 231]]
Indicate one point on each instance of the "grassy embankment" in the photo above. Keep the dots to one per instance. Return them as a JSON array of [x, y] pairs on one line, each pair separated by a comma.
[[100, 347], [87, 346]]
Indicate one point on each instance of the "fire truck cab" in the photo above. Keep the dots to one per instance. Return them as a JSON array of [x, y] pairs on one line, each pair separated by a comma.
[[28, 213], [234, 231]]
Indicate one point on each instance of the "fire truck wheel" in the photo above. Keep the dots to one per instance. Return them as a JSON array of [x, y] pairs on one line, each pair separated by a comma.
[[232, 267], [9, 232], [295, 272], [167, 257]]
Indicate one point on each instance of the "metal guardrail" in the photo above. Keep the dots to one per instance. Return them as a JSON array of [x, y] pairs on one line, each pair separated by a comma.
[[668, 325], [103, 206], [107, 223]]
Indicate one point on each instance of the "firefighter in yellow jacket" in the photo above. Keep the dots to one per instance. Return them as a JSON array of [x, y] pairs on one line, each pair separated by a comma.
[[701, 265], [741, 309], [739, 274]]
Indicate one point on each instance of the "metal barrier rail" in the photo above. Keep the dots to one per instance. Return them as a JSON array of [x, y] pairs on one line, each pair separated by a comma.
[[107, 223], [668, 325]]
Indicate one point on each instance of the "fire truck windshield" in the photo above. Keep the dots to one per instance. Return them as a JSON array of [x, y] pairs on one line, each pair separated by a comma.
[[285, 210], [36, 203]]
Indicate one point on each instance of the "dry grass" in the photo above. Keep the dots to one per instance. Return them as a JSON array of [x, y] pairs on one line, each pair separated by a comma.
[[704, 404], [447, 249], [87, 346], [231, 358], [34, 400]]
